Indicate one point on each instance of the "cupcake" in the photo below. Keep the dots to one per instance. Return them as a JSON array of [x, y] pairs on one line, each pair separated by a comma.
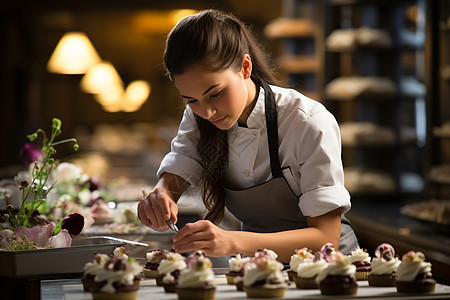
[[154, 257], [306, 272], [298, 257], [169, 271], [263, 277], [91, 269], [384, 266], [196, 280], [116, 280], [414, 274], [327, 250], [266, 252], [338, 278], [236, 269], [361, 259]]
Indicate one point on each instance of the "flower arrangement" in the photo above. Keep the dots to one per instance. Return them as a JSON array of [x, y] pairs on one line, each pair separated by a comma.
[[28, 226]]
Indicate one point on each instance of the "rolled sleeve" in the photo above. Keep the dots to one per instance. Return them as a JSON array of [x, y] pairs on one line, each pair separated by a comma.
[[322, 176], [322, 200], [181, 165]]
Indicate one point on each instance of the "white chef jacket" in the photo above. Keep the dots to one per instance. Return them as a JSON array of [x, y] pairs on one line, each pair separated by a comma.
[[309, 151]]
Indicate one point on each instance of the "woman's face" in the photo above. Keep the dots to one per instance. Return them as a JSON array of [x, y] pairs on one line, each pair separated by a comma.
[[219, 97]]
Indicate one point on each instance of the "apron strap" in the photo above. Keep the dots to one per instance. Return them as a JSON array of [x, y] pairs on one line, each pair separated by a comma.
[[272, 129]]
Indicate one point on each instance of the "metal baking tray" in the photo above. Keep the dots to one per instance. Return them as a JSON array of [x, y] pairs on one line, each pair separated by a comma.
[[56, 262]]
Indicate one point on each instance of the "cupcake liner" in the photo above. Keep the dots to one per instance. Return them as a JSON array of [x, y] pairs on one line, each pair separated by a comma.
[[260, 292], [305, 283], [341, 289], [131, 295], [169, 287], [291, 274], [159, 280], [362, 275], [230, 279], [195, 293], [88, 284], [416, 286], [150, 273], [382, 280]]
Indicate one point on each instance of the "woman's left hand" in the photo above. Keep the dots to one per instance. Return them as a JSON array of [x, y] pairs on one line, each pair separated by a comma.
[[203, 235]]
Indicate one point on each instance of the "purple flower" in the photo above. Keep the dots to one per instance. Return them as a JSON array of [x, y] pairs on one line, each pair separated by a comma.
[[74, 223], [30, 153], [93, 184]]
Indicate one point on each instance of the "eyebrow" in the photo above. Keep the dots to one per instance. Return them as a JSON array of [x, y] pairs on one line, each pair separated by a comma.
[[204, 93]]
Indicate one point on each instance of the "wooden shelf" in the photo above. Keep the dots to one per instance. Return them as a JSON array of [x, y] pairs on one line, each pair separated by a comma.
[[290, 28]]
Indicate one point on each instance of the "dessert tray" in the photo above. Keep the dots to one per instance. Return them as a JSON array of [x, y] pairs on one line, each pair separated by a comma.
[[56, 262]]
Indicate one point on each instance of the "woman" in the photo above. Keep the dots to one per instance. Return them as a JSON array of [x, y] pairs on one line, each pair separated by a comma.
[[270, 155]]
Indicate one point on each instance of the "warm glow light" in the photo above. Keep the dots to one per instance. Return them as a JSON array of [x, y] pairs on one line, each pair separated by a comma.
[[102, 78], [130, 100], [74, 54], [137, 92], [112, 98], [159, 22], [178, 14]]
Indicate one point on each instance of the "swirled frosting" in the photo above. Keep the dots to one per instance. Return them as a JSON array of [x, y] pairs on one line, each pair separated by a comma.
[[381, 266], [237, 262], [96, 265], [173, 262], [265, 269], [412, 264], [299, 257], [359, 255], [198, 272], [339, 265], [118, 270], [120, 252], [155, 256], [266, 252], [309, 269]]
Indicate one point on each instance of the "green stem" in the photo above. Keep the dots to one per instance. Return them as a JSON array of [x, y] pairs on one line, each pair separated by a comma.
[[64, 141]]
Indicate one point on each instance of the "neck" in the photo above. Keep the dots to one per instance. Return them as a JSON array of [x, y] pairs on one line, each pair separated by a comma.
[[251, 101]]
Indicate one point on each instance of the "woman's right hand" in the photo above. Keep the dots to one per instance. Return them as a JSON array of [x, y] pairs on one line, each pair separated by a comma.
[[156, 208]]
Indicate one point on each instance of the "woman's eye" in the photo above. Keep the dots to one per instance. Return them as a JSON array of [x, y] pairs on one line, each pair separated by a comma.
[[191, 101], [216, 94]]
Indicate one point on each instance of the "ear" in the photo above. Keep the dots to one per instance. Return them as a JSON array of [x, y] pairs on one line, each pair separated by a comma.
[[246, 66]]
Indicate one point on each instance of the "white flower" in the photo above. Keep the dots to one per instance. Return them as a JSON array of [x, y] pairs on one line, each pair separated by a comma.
[[67, 172], [65, 197], [85, 196]]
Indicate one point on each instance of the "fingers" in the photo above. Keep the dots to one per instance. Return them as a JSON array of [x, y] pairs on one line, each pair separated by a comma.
[[156, 208], [142, 215], [195, 236]]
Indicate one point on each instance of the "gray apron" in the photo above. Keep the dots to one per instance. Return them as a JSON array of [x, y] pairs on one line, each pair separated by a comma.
[[273, 206]]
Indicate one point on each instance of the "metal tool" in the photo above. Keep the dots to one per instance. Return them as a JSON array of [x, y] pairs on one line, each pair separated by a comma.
[[172, 225], [122, 240]]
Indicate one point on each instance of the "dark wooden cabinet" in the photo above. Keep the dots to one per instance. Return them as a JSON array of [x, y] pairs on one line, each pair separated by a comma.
[[438, 99], [374, 85]]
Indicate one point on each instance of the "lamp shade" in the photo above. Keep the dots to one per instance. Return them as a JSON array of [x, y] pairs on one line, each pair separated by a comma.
[[74, 54], [102, 78]]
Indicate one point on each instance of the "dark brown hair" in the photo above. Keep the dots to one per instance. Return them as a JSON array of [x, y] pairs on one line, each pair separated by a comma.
[[219, 41]]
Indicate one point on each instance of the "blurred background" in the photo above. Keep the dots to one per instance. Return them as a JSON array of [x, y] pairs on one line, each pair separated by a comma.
[[129, 37], [381, 67]]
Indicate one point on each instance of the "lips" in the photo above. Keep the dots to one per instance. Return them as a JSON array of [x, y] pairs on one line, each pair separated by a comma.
[[218, 121]]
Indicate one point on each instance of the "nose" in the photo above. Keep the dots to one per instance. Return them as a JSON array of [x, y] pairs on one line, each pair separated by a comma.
[[207, 111]]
